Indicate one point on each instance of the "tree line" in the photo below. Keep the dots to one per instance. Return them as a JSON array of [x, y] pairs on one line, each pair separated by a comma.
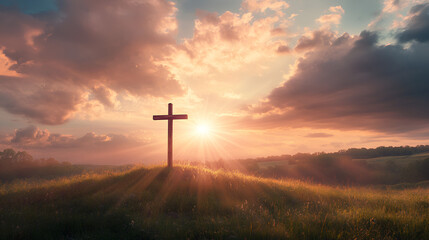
[[345, 167], [353, 153], [20, 164], [9, 158]]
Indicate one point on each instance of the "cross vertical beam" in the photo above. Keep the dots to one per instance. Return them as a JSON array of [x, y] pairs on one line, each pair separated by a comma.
[[170, 136], [170, 117]]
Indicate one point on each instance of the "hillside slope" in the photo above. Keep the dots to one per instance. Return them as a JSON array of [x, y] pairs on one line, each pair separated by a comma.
[[196, 203]]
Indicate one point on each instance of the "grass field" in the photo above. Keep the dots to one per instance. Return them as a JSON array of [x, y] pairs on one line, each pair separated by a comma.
[[267, 164], [196, 203], [399, 160]]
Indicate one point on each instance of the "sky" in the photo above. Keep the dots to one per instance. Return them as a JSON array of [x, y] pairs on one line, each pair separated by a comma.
[[80, 80]]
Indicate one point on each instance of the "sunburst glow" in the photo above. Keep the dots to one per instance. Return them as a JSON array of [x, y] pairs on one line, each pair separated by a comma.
[[203, 129]]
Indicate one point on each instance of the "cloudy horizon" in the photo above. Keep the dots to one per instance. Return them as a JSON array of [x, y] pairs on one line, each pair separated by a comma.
[[80, 80]]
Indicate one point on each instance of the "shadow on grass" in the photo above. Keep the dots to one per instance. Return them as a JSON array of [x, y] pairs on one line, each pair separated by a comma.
[[194, 203]]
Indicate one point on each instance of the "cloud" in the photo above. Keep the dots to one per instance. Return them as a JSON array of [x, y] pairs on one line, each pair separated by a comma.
[[105, 95], [333, 18], [283, 49], [278, 31], [319, 135], [47, 105], [91, 148], [227, 42], [263, 5], [29, 135], [337, 9], [391, 6], [32, 137], [316, 39], [417, 27], [88, 44], [353, 83], [5, 64]]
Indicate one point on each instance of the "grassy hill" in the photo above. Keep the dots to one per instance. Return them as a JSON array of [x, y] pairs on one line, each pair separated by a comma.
[[400, 160], [196, 203], [339, 168]]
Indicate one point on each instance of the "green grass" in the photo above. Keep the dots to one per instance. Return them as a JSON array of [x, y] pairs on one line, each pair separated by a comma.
[[267, 164], [196, 203], [399, 160]]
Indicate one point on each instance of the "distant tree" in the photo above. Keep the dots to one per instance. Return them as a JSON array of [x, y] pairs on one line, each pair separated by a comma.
[[51, 161], [10, 158], [292, 161], [66, 163], [252, 167], [23, 158], [7, 156]]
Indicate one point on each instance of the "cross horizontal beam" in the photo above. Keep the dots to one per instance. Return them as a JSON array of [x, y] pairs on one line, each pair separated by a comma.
[[168, 117]]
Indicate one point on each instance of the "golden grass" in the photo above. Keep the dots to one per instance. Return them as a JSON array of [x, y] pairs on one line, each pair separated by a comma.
[[194, 202]]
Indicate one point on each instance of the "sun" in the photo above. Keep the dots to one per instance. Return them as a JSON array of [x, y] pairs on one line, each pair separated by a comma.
[[203, 129]]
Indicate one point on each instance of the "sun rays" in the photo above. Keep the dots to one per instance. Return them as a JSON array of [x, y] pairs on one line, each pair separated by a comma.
[[203, 129]]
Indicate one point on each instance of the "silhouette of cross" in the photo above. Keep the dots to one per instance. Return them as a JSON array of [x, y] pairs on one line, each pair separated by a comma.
[[170, 117]]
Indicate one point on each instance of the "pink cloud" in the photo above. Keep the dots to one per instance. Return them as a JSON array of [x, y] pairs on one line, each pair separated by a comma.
[[391, 6], [333, 18], [263, 5], [336, 9], [314, 40], [227, 42], [283, 49], [30, 136], [105, 95], [91, 147], [44, 104], [85, 45]]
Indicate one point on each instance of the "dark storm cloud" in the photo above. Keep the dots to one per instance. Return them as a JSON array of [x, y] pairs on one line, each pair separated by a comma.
[[354, 84], [87, 44], [418, 26]]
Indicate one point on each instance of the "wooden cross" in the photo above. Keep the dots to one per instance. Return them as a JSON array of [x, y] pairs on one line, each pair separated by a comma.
[[170, 117]]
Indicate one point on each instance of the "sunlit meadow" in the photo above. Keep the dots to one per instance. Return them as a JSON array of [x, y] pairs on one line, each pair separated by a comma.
[[197, 203]]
